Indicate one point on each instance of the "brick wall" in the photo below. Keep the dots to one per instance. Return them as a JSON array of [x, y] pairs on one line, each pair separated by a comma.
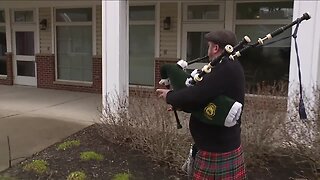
[[142, 92], [46, 75], [97, 73], [45, 70], [9, 79]]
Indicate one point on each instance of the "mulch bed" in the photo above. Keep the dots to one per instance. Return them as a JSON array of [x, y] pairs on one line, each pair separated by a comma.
[[120, 159]]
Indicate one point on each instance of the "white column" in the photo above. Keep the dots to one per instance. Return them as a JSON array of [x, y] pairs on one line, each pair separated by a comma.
[[309, 47], [115, 52]]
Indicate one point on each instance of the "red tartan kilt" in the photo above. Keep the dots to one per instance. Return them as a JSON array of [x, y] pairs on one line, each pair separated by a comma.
[[216, 166]]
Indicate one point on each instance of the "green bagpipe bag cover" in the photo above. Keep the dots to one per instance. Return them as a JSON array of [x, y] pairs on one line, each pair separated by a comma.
[[217, 112]]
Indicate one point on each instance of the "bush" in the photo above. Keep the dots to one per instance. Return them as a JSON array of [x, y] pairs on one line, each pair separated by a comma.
[[77, 175], [91, 155], [121, 176], [68, 144], [148, 127], [37, 166], [302, 137]]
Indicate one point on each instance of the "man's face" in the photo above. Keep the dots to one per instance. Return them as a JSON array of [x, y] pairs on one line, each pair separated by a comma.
[[213, 50]]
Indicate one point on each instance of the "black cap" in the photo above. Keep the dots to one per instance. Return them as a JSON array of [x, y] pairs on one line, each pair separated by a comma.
[[222, 38]]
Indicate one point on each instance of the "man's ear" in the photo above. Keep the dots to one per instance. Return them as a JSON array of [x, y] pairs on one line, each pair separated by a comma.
[[216, 48]]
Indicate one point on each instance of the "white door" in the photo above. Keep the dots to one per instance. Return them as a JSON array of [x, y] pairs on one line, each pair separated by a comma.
[[24, 48], [193, 43]]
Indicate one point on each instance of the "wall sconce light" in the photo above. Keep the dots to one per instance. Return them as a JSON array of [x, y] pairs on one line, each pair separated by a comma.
[[167, 23], [43, 24]]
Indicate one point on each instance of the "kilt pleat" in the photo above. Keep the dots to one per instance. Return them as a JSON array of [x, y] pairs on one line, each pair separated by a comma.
[[219, 166]]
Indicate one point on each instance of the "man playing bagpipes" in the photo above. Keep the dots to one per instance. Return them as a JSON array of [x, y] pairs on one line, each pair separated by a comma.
[[217, 152]]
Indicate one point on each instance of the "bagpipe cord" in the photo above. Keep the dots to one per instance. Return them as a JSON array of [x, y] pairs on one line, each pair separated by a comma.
[[302, 110]]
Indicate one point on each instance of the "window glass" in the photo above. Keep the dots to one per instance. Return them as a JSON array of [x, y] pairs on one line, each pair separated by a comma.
[[74, 15], [23, 16], [141, 45], [196, 12], [74, 48], [141, 13], [265, 10]]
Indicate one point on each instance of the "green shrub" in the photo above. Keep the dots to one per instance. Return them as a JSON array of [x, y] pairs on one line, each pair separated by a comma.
[[68, 144], [91, 155], [121, 176], [37, 166], [77, 175]]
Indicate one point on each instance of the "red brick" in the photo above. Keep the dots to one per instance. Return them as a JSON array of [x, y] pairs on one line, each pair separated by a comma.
[[46, 75]]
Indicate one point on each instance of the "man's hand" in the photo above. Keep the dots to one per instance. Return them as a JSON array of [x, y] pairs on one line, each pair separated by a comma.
[[162, 93]]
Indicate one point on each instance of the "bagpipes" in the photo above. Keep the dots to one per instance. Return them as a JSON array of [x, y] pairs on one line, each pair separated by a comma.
[[222, 111]]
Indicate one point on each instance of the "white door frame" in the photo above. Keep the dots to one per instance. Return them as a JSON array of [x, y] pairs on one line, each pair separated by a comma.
[[24, 80], [188, 27]]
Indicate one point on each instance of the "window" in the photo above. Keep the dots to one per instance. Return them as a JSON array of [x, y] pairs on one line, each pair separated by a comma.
[[265, 10], [23, 16], [2, 18], [141, 45], [74, 44], [199, 19], [3, 44], [197, 46], [268, 65], [202, 12], [74, 15]]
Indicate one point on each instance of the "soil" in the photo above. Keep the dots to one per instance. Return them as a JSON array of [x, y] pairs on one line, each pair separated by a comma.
[[120, 159]]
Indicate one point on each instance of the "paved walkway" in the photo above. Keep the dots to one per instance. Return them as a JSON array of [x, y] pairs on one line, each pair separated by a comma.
[[36, 118]]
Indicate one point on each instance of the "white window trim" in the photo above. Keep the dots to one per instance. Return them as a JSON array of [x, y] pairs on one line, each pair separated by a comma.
[[156, 22], [54, 27], [221, 5], [2, 76]]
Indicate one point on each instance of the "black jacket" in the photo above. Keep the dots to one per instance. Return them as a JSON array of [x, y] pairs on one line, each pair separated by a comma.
[[226, 78]]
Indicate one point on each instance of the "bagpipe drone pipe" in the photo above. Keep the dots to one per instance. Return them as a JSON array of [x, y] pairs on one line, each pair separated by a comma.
[[222, 111]]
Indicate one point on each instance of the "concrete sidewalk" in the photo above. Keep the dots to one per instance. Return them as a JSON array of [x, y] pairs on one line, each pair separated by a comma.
[[36, 118]]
